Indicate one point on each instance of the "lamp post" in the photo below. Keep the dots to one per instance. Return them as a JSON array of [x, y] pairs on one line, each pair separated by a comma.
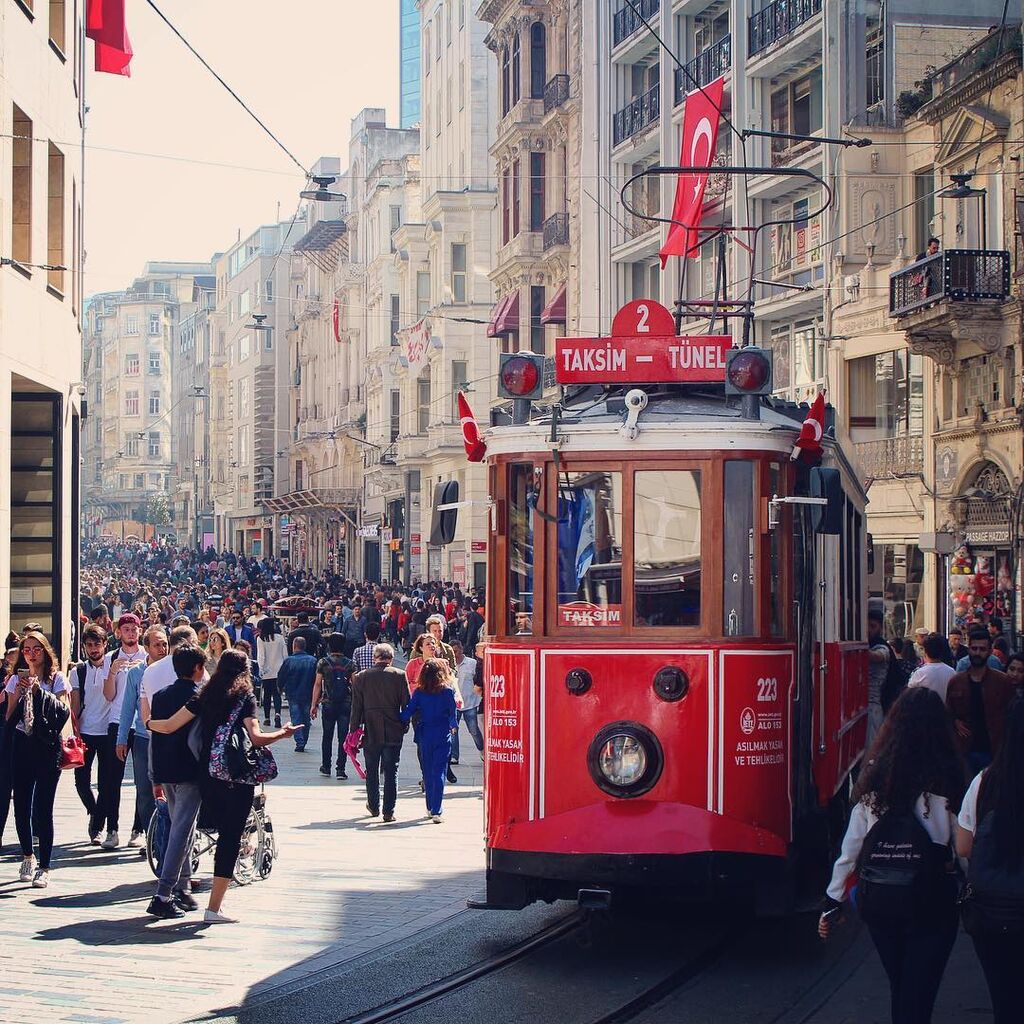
[[961, 190]]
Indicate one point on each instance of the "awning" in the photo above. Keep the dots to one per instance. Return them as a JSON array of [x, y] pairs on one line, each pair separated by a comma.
[[554, 311], [496, 314], [506, 319]]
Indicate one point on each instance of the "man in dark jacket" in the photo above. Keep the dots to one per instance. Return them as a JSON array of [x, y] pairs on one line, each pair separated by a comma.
[[308, 632], [378, 695], [295, 679]]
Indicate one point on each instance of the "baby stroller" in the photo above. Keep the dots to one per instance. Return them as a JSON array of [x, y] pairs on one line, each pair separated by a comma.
[[255, 857]]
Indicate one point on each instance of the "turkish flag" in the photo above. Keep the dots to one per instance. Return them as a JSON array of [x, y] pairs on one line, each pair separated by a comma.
[[476, 449], [105, 26], [700, 135], [336, 319], [808, 444]]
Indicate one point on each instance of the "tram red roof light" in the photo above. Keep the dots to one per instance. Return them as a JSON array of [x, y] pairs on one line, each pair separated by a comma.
[[748, 372], [520, 375]]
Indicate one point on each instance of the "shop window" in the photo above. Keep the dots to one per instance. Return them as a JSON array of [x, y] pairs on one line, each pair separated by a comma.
[[524, 484], [667, 547]]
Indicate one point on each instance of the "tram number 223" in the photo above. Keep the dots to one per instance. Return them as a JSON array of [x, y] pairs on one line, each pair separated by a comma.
[[497, 686], [768, 690]]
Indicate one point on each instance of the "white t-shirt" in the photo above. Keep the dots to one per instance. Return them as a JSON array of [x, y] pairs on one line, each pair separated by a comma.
[[935, 676], [56, 686], [969, 808], [114, 707], [932, 811], [157, 677], [93, 721]]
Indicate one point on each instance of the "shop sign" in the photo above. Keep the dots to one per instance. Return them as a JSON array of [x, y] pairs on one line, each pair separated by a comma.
[[479, 547], [415, 538], [417, 550], [387, 535], [366, 531], [990, 535]]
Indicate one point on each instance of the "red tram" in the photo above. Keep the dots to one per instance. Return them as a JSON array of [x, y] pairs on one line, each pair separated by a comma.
[[676, 671]]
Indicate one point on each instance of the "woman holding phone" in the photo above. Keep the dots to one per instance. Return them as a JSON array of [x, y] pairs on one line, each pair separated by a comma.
[[38, 706]]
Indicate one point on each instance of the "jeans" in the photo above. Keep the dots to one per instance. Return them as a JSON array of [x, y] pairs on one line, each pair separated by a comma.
[[914, 958], [110, 787], [298, 712], [230, 804], [145, 802], [382, 758], [183, 800], [335, 718], [271, 694], [471, 717], [95, 750], [1001, 957], [35, 789]]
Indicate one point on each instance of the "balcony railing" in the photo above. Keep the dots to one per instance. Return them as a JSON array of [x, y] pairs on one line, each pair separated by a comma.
[[556, 230], [636, 116], [708, 65], [891, 456], [556, 92], [779, 19], [626, 22], [957, 275]]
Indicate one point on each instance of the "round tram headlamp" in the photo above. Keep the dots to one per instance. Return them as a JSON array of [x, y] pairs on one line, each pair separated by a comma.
[[625, 759], [622, 759]]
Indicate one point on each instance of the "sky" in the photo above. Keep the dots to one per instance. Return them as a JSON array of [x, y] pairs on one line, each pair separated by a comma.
[[306, 67]]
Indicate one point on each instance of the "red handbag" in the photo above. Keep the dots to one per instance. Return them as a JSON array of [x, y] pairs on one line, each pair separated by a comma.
[[72, 749]]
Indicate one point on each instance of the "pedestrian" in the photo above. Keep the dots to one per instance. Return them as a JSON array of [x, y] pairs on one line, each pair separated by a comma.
[[378, 696], [879, 657], [216, 645], [244, 647], [38, 708], [978, 700], [89, 707], [363, 656], [332, 690], [990, 835], [436, 626], [10, 660], [296, 680], [308, 632], [955, 636], [271, 650], [239, 629], [904, 801], [354, 630], [225, 705], [434, 703], [161, 674], [935, 672], [465, 670], [1015, 672], [133, 736]]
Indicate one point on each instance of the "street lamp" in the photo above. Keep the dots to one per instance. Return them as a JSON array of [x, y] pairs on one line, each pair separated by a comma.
[[259, 323], [961, 190], [322, 194]]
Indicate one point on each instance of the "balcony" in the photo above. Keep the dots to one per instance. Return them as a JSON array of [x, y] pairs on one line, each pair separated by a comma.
[[556, 230], [778, 21], [708, 65], [625, 21], [556, 93], [636, 116], [954, 275], [891, 457]]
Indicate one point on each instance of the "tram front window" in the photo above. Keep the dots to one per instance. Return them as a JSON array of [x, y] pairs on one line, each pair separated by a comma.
[[590, 549], [523, 489], [667, 555]]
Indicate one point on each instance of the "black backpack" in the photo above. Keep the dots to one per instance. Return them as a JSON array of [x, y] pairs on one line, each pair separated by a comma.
[[337, 688], [904, 877], [993, 902]]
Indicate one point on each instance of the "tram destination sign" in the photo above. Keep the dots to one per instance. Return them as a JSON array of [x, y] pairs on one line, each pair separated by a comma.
[[642, 349]]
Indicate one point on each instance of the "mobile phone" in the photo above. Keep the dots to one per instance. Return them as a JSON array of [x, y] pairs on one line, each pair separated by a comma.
[[830, 915], [23, 673]]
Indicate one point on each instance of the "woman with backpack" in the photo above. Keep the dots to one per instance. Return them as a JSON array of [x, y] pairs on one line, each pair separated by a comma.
[[225, 705], [899, 843], [990, 834]]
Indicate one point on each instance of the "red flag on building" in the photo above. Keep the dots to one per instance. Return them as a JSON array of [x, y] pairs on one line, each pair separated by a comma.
[[808, 444], [336, 319], [105, 26], [476, 449], [700, 136]]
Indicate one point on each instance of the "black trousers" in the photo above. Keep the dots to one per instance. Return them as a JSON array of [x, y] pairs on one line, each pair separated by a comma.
[[1001, 958], [104, 811], [914, 958], [382, 759], [229, 804], [335, 719], [35, 789], [271, 694]]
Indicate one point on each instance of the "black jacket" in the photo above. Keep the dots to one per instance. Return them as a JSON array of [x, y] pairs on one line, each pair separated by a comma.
[[50, 715]]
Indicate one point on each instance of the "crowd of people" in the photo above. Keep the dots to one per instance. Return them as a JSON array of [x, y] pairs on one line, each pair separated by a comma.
[[936, 832], [187, 660]]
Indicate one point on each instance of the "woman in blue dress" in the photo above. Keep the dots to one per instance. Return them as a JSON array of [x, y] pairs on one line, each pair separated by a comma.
[[434, 702]]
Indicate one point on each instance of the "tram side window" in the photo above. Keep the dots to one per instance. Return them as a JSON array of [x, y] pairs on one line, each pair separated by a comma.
[[590, 549], [667, 548], [738, 549], [776, 590], [523, 489], [851, 575]]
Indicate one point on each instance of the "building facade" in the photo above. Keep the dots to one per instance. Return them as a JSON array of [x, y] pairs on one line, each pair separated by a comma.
[[41, 391], [409, 63]]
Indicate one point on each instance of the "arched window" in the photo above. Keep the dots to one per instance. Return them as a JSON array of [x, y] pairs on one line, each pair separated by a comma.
[[516, 67], [506, 88], [538, 61]]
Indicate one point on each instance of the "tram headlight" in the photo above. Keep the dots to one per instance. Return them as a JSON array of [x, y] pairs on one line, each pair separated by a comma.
[[625, 759]]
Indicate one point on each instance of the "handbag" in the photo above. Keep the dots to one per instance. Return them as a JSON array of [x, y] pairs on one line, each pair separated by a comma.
[[72, 749]]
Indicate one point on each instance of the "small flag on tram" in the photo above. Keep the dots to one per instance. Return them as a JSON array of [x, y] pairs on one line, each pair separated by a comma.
[[105, 26], [476, 449], [700, 135], [808, 444], [336, 320]]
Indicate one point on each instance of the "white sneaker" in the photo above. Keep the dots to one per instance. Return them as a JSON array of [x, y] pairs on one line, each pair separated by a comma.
[[436, 819], [137, 840], [217, 917], [41, 880], [112, 842], [28, 869]]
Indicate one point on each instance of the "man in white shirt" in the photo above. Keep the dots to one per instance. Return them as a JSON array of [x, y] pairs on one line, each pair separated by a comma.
[[465, 670], [90, 708], [161, 674], [934, 673]]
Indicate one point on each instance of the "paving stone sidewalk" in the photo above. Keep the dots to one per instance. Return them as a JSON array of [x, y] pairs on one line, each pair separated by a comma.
[[84, 950]]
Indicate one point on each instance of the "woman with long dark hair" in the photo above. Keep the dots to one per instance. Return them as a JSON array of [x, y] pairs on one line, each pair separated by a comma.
[[990, 834], [434, 701], [271, 650], [38, 707], [228, 695], [912, 774]]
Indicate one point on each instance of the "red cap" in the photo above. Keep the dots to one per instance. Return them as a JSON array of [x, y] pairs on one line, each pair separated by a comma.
[[128, 619]]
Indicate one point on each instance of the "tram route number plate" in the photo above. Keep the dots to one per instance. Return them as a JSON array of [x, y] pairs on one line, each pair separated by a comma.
[[643, 348]]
